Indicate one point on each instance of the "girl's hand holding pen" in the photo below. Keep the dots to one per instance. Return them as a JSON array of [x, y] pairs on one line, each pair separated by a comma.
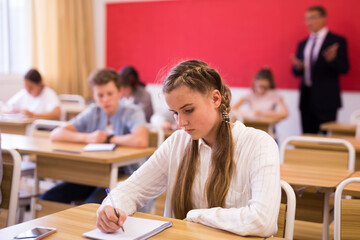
[[107, 221]]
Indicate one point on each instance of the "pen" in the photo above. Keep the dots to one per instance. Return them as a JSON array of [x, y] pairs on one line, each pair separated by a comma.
[[113, 204]]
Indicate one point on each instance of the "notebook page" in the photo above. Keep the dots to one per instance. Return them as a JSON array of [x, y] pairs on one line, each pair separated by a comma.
[[135, 228], [95, 147]]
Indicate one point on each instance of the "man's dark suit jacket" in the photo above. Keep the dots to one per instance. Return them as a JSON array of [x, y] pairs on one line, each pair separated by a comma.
[[325, 90]]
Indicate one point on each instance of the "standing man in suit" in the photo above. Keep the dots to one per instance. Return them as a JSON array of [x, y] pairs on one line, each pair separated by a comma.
[[319, 61]]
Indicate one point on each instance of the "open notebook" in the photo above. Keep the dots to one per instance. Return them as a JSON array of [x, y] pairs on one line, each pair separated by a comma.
[[96, 147], [135, 228]]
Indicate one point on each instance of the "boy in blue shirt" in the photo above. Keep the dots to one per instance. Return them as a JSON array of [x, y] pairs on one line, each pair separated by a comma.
[[110, 120]]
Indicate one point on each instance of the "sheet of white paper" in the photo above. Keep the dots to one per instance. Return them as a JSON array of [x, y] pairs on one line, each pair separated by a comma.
[[94, 147], [135, 228]]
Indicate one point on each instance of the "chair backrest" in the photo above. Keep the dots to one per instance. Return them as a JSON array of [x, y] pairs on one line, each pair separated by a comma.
[[286, 217], [357, 133], [317, 151], [10, 183], [156, 135], [43, 128], [72, 98], [355, 116], [346, 213]]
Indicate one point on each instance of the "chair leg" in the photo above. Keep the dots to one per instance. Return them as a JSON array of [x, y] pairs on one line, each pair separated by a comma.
[[20, 214], [326, 215]]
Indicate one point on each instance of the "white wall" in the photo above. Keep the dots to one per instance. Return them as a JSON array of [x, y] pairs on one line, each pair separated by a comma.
[[9, 85]]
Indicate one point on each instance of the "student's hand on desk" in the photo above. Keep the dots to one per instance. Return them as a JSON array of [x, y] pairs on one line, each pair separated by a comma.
[[27, 113], [97, 137], [107, 221]]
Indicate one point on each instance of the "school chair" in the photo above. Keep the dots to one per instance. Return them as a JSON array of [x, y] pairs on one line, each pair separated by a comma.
[[317, 151], [311, 203], [346, 213], [156, 135], [10, 183], [72, 98], [69, 101], [355, 116], [286, 217], [39, 128], [42, 128]]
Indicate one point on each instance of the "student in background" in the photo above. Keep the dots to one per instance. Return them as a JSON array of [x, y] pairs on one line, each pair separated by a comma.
[[107, 121], [215, 172], [35, 100], [263, 99], [134, 90]]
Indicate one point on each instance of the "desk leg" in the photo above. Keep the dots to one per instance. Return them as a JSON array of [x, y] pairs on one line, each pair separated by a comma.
[[113, 175], [35, 193], [114, 169], [326, 215]]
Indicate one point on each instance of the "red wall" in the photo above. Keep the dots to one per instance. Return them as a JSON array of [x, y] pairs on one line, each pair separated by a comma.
[[235, 36]]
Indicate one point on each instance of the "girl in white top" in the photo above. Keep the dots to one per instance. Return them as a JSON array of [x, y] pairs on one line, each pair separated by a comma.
[[217, 173], [264, 100], [36, 100]]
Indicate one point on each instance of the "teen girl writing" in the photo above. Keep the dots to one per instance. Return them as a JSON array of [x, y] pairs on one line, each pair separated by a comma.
[[217, 173]]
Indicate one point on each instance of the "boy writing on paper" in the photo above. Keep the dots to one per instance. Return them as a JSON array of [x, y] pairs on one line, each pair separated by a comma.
[[110, 120], [221, 174]]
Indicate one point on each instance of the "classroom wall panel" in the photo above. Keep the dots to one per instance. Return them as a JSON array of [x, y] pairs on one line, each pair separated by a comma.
[[235, 36]]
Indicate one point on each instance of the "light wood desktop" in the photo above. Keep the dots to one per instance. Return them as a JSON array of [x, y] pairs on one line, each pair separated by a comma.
[[73, 222], [298, 175], [339, 129], [15, 126], [263, 123], [323, 180], [66, 161], [353, 189]]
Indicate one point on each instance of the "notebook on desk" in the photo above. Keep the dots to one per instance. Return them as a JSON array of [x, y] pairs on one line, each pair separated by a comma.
[[135, 228], [98, 147]]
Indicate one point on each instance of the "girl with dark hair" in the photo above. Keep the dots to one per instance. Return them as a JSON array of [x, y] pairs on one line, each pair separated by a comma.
[[35, 100], [215, 172], [134, 90]]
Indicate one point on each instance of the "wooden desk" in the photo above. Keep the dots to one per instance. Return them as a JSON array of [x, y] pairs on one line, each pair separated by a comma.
[[353, 189], [72, 223], [15, 126], [89, 168], [262, 123], [298, 175], [339, 129], [323, 179]]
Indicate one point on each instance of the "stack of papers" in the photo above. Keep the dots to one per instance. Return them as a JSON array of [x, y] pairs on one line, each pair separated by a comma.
[[98, 147], [135, 228]]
